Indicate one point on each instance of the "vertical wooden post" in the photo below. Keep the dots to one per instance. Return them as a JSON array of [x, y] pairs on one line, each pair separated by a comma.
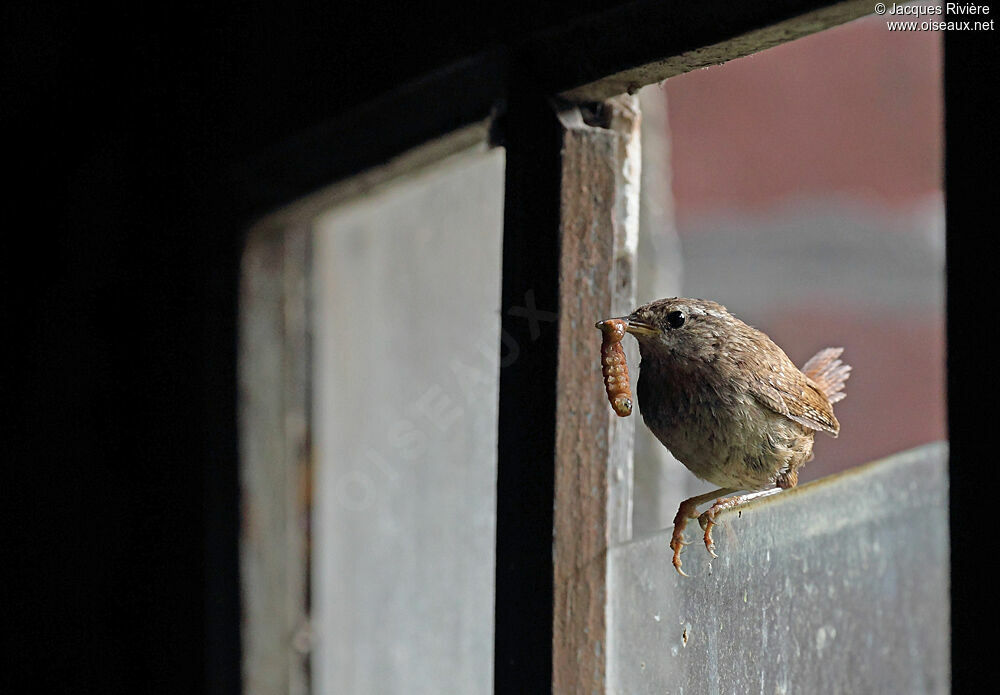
[[599, 231], [274, 446], [528, 365]]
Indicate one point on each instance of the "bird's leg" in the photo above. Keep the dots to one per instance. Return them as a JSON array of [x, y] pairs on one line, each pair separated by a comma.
[[688, 509], [707, 519]]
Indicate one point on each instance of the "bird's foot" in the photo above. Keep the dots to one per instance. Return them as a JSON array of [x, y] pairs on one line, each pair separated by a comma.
[[688, 509], [707, 518], [707, 521]]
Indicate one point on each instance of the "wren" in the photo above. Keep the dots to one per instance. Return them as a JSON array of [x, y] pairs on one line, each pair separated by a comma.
[[729, 404]]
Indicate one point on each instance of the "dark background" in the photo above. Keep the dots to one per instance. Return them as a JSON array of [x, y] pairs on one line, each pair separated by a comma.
[[128, 136]]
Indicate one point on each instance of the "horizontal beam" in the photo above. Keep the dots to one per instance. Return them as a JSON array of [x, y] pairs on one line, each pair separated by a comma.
[[639, 43], [586, 59], [459, 100], [644, 43]]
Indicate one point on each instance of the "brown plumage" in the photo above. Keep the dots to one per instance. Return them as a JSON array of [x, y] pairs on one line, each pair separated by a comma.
[[729, 403]]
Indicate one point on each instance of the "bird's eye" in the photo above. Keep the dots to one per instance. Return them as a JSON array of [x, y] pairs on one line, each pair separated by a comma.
[[675, 319]]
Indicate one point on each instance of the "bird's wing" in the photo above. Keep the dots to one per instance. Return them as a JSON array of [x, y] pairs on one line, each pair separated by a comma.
[[789, 392]]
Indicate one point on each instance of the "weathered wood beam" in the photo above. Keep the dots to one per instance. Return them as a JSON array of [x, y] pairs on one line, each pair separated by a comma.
[[275, 478], [639, 43], [593, 462]]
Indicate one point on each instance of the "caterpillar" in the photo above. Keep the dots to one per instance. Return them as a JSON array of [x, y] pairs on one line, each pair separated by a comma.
[[614, 367]]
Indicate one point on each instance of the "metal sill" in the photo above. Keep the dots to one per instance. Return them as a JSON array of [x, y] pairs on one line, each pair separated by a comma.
[[839, 586]]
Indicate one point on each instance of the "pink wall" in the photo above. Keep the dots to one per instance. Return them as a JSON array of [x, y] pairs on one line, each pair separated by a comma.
[[856, 109]]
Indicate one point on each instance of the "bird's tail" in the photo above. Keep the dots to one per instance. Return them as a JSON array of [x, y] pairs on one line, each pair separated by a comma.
[[828, 372]]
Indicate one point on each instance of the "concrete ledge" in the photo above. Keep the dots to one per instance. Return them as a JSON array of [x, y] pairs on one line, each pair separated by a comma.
[[838, 586]]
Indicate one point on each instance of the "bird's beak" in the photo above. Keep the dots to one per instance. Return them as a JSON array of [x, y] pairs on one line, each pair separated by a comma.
[[640, 328], [632, 326]]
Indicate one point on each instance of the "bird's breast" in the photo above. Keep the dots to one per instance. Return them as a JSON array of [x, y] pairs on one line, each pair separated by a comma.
[[722, 435]]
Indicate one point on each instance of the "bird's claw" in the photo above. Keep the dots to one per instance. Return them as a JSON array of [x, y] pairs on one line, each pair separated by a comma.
[[707, 524], [676, 561], [677, 543]]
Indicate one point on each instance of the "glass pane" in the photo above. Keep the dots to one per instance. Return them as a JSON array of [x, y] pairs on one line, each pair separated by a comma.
[[405, 353]]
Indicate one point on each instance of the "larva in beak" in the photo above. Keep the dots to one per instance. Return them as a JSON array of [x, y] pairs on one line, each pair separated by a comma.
[[614, 367]]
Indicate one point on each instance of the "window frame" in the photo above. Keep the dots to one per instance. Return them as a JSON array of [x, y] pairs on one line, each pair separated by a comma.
[[551, 102]]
